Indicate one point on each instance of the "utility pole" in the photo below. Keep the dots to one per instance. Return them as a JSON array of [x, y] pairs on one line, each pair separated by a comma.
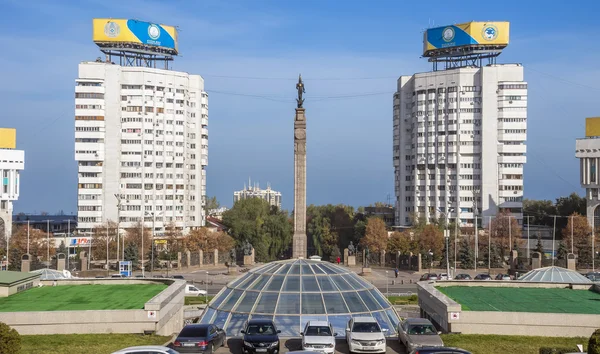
[[143, 221], [553, 238], [118, 227], [48, 245], [490, 245], [107, 264], [510, 247], [455, 242], [528, 247], [28, 227], [68, 241], [475, 214], [153, 228], [593, 248], [572, 246]]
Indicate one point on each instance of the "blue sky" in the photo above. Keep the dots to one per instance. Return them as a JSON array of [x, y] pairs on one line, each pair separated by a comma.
[[246, 49]]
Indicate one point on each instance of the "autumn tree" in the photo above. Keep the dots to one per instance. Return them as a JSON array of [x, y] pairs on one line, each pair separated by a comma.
[[401, 242], [431, 238], [174, 237], [99, 238], [134, 236], [375, 235], [504, 228], [38, 242], [198, 239], [578, 231]]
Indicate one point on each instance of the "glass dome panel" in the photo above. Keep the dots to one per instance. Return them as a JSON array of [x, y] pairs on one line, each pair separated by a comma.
[[267, 303], [295, 291], [312, 304], [309, 283], [288, 304]]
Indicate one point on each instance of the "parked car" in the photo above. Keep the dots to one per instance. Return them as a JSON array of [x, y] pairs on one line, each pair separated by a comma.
[[593, 276], [415, 333], [117, 276], [439, 350], [260, 336], [146, 349], [445, 276], [200, 338], [483, 277], [429, 276], [178, 277], [318, 336], [463, 276], [503, 277], [192, 290], [364, 334]]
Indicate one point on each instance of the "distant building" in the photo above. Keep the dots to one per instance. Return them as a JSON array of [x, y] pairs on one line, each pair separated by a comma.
[[254, 191], [214, 224], [587, 150], [217, 213], [12, 161], [386, 212], [62, 227]]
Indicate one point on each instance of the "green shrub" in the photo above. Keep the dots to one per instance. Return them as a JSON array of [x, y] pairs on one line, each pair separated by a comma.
[[10, 340], [548, 350], [594, 343]]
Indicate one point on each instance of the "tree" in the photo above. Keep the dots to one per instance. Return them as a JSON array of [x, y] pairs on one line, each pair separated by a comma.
[[466, 255], [594, 343], [539, 247], [375, 235], [211, 204], [14, 259], [99, 236], [153, 259], [10, 340], [38, 242], [430, 238], [569, 206], [540, 211], [504, 227], [134, 236], [579, 230], [132, 254], [174, 237], [492, 256], [561, 253], [401, 242], [267, 229]]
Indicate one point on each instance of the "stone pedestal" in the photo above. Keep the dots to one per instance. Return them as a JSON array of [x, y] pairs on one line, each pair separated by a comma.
[[382, 258], [366, 271], [178, 260], [83, 259], [346, 256], [571, 261], [60, 262], [216, 258], [26, 263], [420, 263], [253, 255], [188, 258], [514, 255], [536, 260], [248, 261], [201, 258], [351, 261]]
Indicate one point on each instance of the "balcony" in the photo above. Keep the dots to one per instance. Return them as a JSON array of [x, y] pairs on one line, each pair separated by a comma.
[[512, 149], [512, 159]]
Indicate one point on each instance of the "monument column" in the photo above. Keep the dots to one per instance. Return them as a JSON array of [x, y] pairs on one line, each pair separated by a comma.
[[299, 238]]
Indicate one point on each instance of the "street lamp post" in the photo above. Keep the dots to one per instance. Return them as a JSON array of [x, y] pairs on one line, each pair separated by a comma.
[[48, 241], [143, 221], [206, 288], [387, 280], [118, 229]]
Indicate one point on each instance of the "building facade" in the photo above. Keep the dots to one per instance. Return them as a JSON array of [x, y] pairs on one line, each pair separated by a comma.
[[141, 144], [587, 150], [254, 191], [12, 162], [460, 143]]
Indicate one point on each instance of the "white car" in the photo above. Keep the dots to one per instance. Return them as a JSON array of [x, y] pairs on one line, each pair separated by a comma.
[[364, 335], [146, 349], [318, 336], [444, 276], [192, 290]]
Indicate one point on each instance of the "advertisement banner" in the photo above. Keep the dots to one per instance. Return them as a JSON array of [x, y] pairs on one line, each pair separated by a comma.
[[133, 31], [466, 34], [80, 241]]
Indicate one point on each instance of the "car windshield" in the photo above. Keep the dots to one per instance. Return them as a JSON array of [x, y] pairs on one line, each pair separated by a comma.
[[266, 329], [193, 288], [423, 329], [193, 332], [366, 327], [318, 331]]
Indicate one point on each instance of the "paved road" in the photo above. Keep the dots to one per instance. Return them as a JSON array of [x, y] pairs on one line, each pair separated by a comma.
[[234, 346]]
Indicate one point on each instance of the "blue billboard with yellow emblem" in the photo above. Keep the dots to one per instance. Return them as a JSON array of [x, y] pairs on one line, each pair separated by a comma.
[[108, 30], [470, 34]]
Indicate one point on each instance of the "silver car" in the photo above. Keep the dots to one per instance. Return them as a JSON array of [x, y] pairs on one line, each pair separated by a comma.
[[418, 332]]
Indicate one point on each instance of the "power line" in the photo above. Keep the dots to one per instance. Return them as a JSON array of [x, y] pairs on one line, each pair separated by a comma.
[[563, 80], [307, 79]]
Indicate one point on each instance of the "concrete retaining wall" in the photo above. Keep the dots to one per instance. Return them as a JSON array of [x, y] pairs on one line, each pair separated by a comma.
[[449, 317], [163, 314]]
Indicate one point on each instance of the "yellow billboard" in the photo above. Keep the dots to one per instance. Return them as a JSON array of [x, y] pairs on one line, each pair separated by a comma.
[[8, 138], [592, 126], [470, 34], [134, 31]]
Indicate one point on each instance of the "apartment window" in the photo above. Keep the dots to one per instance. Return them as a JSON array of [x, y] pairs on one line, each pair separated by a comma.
[[96, 84], [512, 86], [88, 106], [89, 95], [87, 129], [89, 117], [131, 87], [90, 185]]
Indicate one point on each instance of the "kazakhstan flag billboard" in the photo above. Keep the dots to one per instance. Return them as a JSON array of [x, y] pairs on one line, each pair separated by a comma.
[[135, 32], [484, 34]]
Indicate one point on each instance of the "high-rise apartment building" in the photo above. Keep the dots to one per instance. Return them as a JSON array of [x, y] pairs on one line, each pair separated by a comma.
[[254, 191], [459, 135], [12, 161], [587, 150], [141, 138]]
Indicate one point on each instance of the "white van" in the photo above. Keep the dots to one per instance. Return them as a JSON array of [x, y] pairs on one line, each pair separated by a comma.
[[192, 290]]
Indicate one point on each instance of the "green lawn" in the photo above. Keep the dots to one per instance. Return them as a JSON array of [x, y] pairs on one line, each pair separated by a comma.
[[524, 299], [493, 344], [196, 300], [403, 300], [81, 297], [86, 343]]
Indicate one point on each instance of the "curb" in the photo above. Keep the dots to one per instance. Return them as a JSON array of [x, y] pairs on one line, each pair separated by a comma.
[[173, 337]]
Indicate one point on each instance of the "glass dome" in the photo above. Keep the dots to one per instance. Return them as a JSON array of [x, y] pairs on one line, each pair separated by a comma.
[[293, 292], [554, 275]]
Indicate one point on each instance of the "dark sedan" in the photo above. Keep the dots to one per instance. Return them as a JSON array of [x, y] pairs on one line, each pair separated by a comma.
[[483, 277], [200, 338], [439, 350], [463, 276], [260, 336]]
